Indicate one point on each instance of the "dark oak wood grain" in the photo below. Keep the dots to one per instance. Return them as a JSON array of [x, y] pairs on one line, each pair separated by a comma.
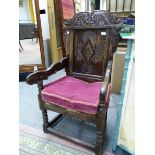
[[90, 41], [93, 38], [69, 112], [43, 75]]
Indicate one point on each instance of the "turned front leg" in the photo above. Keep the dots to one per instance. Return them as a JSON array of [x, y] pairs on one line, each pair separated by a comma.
[[101, 117], [45, 120], [41, 105], [100, 125]]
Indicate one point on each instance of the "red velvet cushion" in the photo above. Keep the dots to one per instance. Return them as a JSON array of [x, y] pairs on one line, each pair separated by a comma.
[[73, 94]]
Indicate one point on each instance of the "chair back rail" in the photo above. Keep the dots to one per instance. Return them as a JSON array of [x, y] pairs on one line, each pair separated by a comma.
[[90, 41]]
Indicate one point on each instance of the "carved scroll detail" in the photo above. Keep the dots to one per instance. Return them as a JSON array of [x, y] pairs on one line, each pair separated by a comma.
[[95, 18]]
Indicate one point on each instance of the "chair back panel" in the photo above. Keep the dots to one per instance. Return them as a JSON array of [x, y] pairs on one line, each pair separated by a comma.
[[89, 45], [89, 55]]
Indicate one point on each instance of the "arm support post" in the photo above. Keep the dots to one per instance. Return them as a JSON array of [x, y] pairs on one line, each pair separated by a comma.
[[105, 86]]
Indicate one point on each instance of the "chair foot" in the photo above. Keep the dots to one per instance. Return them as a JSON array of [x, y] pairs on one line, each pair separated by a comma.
[[99, 151], [45, 129], [45, 120], [99, 143]]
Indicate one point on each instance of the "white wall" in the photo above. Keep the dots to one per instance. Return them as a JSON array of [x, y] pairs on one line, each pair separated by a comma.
[[44, 19], [45, 33], [24, 12], [83, 5], [102, 4]]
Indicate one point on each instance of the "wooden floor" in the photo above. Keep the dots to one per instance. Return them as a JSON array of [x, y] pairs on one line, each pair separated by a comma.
[[30, 53], [49, 139]]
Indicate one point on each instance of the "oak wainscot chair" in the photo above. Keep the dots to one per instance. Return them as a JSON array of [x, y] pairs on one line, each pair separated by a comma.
[[90, 40]]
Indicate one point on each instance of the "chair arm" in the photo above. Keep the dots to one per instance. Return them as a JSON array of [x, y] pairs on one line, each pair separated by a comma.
[[37, 76], [107, 78], [105, 85]]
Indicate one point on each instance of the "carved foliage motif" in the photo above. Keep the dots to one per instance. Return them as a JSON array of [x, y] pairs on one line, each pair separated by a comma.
[[95, 18], [87, 49]]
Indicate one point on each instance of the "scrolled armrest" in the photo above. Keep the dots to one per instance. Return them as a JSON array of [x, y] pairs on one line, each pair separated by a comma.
[[33, 78]]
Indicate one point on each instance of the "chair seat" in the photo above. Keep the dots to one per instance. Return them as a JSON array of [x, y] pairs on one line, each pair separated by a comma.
[[72, 93]]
